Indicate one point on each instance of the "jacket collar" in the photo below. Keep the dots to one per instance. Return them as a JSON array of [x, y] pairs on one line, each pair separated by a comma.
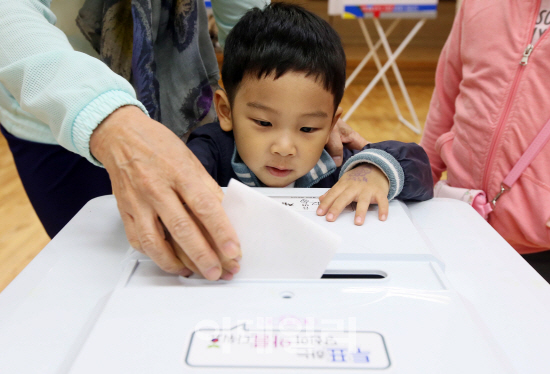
[[324, 167]]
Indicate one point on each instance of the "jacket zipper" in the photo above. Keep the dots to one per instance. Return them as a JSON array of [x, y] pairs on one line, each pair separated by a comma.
[[526, 54], [523, 62]]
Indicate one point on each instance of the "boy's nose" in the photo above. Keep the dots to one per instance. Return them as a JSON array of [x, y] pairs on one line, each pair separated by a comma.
[[283, 146]]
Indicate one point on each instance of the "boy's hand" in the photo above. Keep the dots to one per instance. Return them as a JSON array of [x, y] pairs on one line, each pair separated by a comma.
[[365, 184]]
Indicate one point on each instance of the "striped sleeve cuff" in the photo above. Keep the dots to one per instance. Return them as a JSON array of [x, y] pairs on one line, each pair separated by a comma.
[[383, 160], [93, 114]]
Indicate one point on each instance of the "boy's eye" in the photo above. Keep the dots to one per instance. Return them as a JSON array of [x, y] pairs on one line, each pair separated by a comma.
[[307, 129], [263, 123]]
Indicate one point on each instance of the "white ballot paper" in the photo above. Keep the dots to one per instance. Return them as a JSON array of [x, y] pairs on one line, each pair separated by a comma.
[[277, 242]]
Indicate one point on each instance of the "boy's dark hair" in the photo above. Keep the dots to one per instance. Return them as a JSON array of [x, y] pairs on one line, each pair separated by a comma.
[[282, 38]]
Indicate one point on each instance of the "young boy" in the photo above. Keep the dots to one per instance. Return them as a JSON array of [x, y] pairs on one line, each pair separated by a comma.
[[284, 75]]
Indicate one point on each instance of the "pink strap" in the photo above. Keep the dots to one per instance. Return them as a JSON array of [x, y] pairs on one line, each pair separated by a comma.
[[542, 138], [481, 205]]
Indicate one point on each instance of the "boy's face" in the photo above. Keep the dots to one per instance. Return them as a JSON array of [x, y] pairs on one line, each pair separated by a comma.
[[280, 125]]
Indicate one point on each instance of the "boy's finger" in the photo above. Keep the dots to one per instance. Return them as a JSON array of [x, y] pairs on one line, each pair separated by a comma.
[[363, 204], [383, 207], [328, 199], [340, 204]]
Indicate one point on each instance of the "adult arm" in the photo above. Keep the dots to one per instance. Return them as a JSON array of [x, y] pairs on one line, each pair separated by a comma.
[[90, 109], [69, 91], [152, 172], [228, 12], [442, 106]]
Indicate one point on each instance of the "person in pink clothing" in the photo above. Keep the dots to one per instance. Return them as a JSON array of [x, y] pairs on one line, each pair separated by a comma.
[[490, 101]]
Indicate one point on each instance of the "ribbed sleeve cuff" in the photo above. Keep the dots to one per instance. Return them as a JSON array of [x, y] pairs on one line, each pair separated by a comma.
[[93, 114], [383, 160]]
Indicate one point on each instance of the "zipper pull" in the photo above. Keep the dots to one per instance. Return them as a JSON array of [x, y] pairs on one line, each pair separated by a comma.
[[526, 55]]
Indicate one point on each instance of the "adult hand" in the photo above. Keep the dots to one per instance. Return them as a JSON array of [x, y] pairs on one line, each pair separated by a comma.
[[342, 134], [153, 174]]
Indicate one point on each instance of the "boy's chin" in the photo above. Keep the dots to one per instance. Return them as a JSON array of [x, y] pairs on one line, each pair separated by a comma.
[[277, 184]]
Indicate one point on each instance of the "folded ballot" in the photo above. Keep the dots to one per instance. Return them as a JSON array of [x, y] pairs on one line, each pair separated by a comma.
[[276, 242]]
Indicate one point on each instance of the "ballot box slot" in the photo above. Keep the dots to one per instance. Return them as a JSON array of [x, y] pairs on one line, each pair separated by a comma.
[[423, 275], [354, 274]]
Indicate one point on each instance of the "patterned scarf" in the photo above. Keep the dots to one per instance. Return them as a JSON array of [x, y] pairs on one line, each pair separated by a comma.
[[163, 48], [324, 167]]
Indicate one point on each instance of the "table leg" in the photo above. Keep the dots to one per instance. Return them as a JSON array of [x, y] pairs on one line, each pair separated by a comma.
[[371, 52], [379, 66], [390, 63], [416, 127]]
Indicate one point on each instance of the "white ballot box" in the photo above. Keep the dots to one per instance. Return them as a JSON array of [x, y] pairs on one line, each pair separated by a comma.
[[432, 290], [383, 296]]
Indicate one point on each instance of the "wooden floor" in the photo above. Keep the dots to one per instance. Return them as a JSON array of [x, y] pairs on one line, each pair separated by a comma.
[[22, 236]]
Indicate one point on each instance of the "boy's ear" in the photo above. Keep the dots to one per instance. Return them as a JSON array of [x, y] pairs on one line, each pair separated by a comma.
[[223, 109], [337, 116]]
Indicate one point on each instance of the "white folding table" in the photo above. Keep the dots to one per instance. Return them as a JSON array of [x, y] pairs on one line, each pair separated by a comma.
[[49, 310], [393, 9]]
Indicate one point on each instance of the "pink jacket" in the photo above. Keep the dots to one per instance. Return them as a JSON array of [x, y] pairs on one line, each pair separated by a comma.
[[487, 108]]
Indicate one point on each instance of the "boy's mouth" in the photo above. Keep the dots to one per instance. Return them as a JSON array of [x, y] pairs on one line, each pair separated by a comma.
[[278, 172]]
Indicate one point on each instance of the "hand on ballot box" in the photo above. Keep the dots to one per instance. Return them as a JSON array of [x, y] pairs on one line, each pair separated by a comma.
[[229, 266], [366, 184]]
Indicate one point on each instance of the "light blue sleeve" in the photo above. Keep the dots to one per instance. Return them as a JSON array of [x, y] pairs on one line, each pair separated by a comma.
[[69, 91], [228, 12]]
